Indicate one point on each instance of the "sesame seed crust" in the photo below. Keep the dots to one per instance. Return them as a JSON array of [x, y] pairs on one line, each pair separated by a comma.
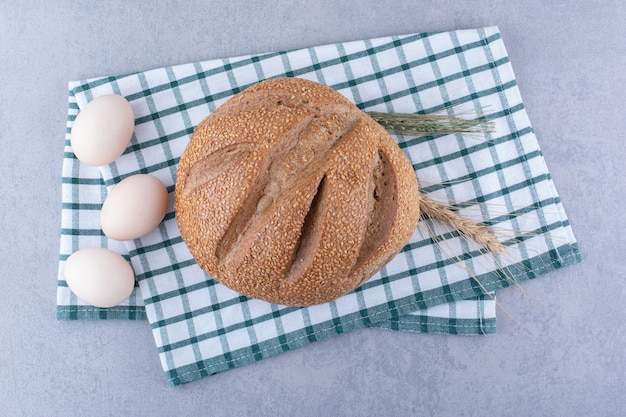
[[290, 194]]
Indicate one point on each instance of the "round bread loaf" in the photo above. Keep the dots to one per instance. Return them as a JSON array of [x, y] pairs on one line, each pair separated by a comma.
[[290, 194]]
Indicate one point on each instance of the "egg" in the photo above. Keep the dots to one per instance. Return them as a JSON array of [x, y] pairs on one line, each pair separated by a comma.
[[99, 276], [134, 207], [102, 130]]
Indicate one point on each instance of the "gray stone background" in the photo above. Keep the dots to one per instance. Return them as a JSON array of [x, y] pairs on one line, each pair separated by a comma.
[[560, 350]]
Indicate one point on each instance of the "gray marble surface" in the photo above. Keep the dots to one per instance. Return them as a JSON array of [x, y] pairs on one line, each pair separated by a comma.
[[560, 349]]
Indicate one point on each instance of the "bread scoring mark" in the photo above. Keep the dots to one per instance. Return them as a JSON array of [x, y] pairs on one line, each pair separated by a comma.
[[210, 166], [308, 241], [382, 207], [252, 203], [299, 155]]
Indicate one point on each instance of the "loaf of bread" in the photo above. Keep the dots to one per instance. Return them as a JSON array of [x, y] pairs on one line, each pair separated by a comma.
[[290, 194]]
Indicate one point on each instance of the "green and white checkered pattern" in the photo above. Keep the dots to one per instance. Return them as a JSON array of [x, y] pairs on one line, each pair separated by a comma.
[[443, 284]]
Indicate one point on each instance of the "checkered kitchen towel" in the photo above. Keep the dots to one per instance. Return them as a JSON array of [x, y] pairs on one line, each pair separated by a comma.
[[440, 283]]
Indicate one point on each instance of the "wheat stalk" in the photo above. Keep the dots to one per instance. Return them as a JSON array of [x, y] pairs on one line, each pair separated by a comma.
[[476, 232], [430, 124]]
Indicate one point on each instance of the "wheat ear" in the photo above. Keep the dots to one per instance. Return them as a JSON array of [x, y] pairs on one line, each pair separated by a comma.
[[476, 232], [430, 124]]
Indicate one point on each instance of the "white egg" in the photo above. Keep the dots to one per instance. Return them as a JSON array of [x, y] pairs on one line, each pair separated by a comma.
[[134, 207], [102, 130], [99, 276]]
